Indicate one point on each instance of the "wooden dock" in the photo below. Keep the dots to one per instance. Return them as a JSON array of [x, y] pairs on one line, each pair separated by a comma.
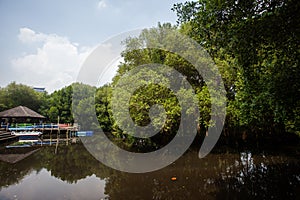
[[6, 137], [51, 133], [43, 129]]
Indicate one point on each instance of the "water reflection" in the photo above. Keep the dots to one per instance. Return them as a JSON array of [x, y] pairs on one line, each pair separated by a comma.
[[41, 185], [73, 173]]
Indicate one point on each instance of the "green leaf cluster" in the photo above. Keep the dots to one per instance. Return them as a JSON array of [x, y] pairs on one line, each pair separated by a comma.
[[256, 47]]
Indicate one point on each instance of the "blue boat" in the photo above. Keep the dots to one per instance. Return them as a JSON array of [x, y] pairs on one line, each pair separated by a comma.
[[21, 129], [18, 146], [84, 133]]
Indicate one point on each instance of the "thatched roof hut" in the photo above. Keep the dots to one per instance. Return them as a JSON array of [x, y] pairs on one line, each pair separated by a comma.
[[21, 112]]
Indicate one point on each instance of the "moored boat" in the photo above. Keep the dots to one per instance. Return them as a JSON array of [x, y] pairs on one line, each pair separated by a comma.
[[27, 136], [27, 133]]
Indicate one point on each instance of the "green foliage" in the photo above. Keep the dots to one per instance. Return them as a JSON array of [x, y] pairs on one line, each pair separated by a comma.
[[83, 105], [157, 92], [256, 46], [59, 105], [14, 95], [103, 108]]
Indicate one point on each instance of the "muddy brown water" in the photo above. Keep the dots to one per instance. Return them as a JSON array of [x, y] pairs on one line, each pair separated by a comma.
[[72, 173]]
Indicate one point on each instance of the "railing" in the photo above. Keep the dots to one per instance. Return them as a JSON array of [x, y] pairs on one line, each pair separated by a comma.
[[34, 126]]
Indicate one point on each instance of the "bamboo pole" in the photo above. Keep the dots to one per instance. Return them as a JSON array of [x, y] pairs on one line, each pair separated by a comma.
[[67, 134], [57, 136]]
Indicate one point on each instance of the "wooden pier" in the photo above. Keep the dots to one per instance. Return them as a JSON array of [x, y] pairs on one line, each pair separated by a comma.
[[63, 133], [6, 137], [42, 128]]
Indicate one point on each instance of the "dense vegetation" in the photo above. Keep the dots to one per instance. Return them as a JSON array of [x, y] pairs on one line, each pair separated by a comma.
[[256, 46]]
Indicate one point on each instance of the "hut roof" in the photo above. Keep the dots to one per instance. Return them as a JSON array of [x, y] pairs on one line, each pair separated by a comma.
[[20, 112]]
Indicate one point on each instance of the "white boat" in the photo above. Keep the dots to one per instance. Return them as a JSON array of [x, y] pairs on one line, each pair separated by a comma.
[[27, 136], [27, 133]]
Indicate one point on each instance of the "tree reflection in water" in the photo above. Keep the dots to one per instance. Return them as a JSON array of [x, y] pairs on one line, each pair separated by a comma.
[[220, 175]]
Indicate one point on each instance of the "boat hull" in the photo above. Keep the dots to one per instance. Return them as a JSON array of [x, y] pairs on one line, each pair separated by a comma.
[[28, 136], [27, 133]]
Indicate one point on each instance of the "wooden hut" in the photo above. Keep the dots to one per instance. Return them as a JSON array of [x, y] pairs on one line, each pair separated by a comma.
[[21, 114]]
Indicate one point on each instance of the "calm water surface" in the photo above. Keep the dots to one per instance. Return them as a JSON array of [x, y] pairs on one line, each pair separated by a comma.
[[72, 173]]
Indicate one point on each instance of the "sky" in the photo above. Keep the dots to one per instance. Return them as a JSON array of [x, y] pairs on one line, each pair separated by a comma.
[[44, 43]]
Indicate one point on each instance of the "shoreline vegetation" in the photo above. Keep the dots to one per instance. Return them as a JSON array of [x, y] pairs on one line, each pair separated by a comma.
[[256, 49]]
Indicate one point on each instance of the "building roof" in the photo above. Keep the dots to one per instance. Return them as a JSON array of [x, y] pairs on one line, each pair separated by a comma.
[[20, 112], [39, 89]]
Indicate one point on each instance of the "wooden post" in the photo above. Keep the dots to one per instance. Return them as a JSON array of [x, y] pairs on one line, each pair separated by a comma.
[[67, 134], [57, 140], [51, 136], [42, 139]]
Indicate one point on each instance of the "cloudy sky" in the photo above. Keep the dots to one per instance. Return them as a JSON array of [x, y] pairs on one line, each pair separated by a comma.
[[44, 43]]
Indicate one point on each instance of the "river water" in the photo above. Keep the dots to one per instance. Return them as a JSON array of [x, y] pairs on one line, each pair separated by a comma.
[[70, 172]]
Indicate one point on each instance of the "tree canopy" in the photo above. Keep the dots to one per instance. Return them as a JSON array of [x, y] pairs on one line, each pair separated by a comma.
[[14, 95], [258, 42]]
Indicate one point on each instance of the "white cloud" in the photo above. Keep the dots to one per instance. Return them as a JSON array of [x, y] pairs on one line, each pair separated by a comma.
[[102, 4], [55, 63], [27, 35]]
